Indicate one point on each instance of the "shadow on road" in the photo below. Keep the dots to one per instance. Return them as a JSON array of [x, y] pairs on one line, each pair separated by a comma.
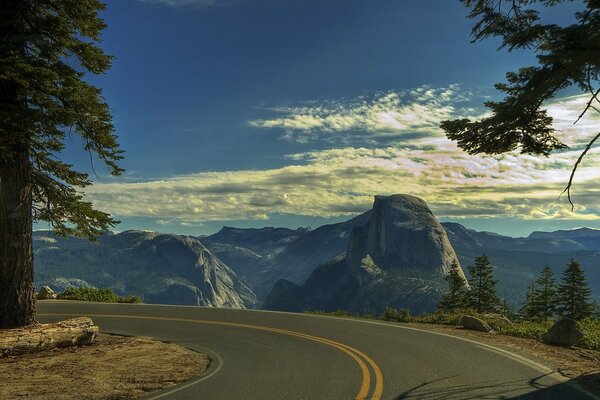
[[534, 389]]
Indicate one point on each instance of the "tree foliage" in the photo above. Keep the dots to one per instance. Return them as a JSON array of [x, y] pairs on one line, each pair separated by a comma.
[[482, 291], [566, 55], [574, 293], [540, 299], [455, 296], [527, 311], [545, 295], [46, 49]]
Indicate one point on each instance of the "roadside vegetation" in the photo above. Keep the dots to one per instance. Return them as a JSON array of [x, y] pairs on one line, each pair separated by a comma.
[[99, 295], [545, 303]]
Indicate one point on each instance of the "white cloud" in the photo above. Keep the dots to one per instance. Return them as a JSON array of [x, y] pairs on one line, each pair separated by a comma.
[[342, 181], [393, 113]]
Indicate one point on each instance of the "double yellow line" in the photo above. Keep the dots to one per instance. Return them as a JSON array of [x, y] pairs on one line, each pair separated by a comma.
[[358, 356]]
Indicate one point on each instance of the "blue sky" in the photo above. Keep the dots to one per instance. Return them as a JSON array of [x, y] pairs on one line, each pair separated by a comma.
[[286, 113]]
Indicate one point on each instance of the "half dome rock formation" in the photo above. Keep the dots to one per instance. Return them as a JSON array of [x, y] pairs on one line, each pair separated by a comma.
[[402, 233], [398, 258], [162, 268]]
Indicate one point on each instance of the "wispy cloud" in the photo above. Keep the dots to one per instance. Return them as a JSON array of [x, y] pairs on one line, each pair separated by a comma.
[[342, 181], [415, 112]]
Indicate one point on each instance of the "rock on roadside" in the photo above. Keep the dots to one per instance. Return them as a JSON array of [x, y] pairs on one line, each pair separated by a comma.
[[566, 332], [46, 293], [474, 324]]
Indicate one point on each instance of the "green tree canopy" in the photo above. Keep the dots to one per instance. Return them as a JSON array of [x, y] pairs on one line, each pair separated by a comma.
[[455, 296], [545, 295], [567, 56], [46, 48], [482, 291], [527, 311], [574, 293]]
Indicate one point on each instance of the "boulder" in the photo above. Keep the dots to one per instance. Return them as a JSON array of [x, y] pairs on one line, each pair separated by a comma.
[[474, 324], [565, 332], [46, 293]]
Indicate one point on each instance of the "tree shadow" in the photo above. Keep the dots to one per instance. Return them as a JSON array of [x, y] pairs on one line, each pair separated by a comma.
[[537, 388]]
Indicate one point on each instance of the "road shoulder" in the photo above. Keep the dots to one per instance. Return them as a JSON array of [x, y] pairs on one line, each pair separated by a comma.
[[113, 367]]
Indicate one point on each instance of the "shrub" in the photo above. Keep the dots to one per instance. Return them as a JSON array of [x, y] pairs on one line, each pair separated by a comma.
[[129, 299], [591, 330], [391, 314], [99, 295], [525, 329]]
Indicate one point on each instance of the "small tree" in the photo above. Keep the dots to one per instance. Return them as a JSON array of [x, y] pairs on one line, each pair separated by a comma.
[[482, 294], [454, 298], [574, 293], [527, 310], [544, 306]]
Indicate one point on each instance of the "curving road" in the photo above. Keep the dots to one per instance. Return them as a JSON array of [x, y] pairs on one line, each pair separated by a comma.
[[267, 355]]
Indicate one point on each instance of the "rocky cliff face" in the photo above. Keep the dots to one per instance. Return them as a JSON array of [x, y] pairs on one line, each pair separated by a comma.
[[263, 265], [402, 234], [398, 258], [168, 269]]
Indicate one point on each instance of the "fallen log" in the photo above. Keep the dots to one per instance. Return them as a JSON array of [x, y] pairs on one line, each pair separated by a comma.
[[73, 332]]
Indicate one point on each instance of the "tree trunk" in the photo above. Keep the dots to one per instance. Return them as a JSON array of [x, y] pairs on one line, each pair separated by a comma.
[[17, 298], [17, 293], [73, 332]]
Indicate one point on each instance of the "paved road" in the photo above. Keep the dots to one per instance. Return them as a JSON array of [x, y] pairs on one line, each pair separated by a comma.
[[265, 355]]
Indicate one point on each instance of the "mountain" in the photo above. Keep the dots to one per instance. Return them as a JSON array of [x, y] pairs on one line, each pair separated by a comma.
[[261, 241], [162, 268], [293, 262], [517, 261], [397, 257]]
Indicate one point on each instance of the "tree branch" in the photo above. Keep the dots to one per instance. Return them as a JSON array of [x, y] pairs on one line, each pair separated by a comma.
[[583, 153]]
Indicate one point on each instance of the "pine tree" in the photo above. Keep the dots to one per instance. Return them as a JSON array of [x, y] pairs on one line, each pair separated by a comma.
[[544, 306], [482, 294], [454, 298], [568, 55], [574, 293], [46, 47], [527, 311]]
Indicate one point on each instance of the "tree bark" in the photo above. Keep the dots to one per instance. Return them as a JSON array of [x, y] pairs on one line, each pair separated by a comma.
[[73, 332], [17, 293], [17, 297]]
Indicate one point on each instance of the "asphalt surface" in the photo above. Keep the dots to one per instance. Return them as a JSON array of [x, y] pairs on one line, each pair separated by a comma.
[[266, 355]]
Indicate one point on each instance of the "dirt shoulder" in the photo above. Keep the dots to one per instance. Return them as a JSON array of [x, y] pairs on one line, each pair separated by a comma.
[[580, 365], [114, 367]]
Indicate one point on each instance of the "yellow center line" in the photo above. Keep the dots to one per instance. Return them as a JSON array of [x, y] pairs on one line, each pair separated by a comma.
[[350, 351]]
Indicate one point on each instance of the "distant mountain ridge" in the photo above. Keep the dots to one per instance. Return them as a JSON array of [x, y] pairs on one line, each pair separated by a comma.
[[517, 261], [294, 262], [162, 268], [250, 261], [398, 259]]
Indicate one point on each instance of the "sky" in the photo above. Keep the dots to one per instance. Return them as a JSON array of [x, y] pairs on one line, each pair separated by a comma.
[[254, 113]]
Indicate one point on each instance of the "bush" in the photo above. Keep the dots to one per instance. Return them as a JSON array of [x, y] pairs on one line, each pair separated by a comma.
[[391, 314], [526, 329], [99, 295], [129, 299], [591, 330]]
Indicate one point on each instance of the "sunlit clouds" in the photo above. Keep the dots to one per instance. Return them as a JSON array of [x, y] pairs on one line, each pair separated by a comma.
[[380, 144]]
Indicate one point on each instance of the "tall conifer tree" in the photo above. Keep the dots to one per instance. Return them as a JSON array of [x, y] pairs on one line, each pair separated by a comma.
[[455, 296], [482, 294], [574, 293], [46, 47], [527, 311], [544, 306]]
